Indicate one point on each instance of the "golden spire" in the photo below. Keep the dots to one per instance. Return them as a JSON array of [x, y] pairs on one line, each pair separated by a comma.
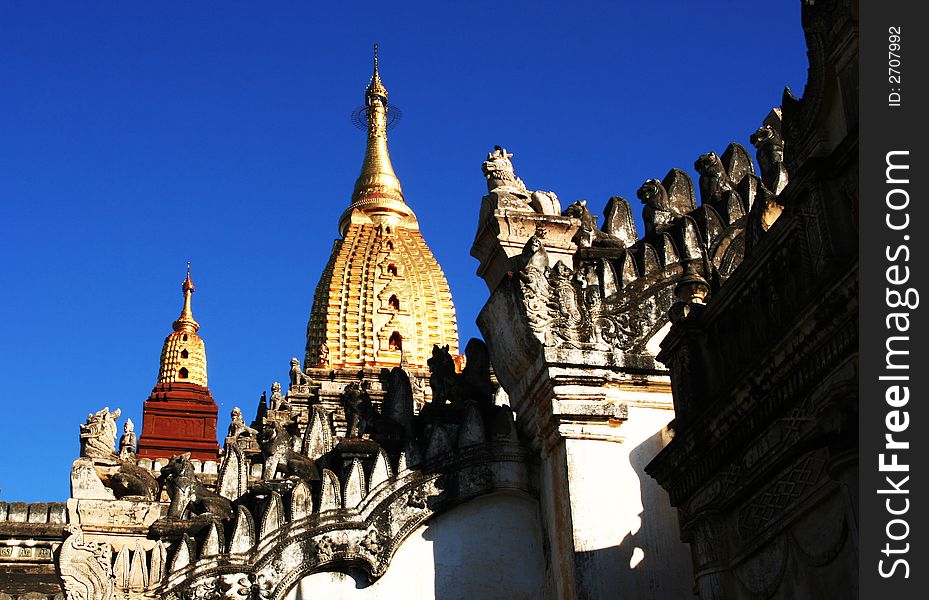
[[186, 321], [377, 181]]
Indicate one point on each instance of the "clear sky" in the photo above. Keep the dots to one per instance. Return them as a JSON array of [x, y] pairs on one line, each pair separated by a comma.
[[135, 136]]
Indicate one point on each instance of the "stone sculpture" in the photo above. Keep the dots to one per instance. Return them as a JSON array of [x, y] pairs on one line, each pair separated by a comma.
[[442, 378], [277, 401], [589, 234], [187, 493], [397, 407], [127, 442], [545, 203], [504, 186], [322, 359], [237, 426], [359, 411], [277, 448], [297, 376], [714, 181], [86, 567], [618, 221], [98, 435], [656, 213], [770, 154], [133, 480]]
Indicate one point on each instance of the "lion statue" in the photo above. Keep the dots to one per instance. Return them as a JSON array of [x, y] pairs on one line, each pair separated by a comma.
[[237, 426], [98, 435], [187, 493], [714, 181], [442, 377], [277, 448], [297, 376], [589, 234], [656, 213], [770, 154], [359, 411]]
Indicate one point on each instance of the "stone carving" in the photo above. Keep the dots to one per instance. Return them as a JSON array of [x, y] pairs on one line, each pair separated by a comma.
[[98, 435], [325, 548], [277, 401], [475, 376], [205, 589], [397, 407], [618, 221], [504, 186], [322, 356], [473, 385], [133, 480], [86, 568], [237, 426], [545, 203], [680, 188], [589, 234], [359, 411], [442, 376], [564, 306], [396, 502], [187, 493], [371, 544], [277, 448], [714, 180], [770, 154], [657, 210], [297, 376], [127, 442]]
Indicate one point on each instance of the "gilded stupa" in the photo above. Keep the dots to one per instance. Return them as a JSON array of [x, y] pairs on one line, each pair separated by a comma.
[[180, 414], [382, 298]]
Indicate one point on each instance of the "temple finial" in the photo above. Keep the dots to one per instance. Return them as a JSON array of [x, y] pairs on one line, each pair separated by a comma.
[[376, 87], [377, 181], [186, 321]]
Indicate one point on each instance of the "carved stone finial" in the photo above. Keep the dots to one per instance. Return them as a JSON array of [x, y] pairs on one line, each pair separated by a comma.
[[692, 287]]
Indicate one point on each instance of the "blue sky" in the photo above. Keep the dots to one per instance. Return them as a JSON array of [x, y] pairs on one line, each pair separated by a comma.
[[135, 136]]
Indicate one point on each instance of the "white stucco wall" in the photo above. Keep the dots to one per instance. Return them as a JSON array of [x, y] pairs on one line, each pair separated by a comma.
[[626, 533], [488, 548]]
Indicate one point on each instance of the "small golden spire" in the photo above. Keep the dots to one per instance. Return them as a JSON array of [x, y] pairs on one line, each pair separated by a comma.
[[377, 180], [376, 87], [186, 321]]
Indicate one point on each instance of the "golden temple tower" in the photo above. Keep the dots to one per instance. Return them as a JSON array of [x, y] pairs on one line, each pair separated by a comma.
[[180, 414], [382, 296]]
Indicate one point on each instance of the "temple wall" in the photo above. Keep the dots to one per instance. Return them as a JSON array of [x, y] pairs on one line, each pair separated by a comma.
[[489, 547], [626, 534]]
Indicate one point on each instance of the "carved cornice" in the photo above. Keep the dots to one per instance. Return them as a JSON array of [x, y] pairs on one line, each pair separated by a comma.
[[286, 545]]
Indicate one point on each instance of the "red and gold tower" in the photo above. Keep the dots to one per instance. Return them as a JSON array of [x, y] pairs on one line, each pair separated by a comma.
[[180, 414]]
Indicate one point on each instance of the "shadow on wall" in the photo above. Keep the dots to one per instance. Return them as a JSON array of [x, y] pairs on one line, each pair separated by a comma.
[[651, 562]]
